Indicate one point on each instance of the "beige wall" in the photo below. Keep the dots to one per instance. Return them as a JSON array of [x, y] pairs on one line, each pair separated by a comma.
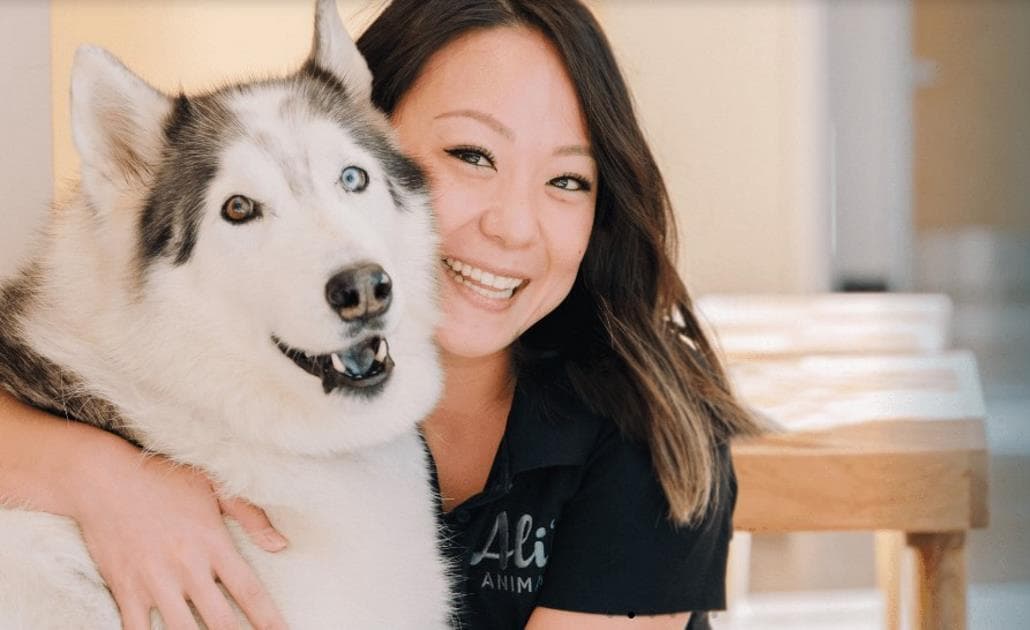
[[731, 95], [972, 140], [728, 93]]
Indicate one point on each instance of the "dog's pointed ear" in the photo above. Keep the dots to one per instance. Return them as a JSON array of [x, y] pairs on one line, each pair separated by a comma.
[[117, 122], [334, 50]]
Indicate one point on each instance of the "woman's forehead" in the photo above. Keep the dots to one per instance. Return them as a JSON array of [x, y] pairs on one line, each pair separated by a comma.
[[514, 75]]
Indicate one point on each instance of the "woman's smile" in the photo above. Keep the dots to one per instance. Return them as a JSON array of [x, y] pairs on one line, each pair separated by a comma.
[[483, 286]]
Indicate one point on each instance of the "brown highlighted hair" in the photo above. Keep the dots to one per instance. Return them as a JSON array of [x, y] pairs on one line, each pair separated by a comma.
[[625, 340]]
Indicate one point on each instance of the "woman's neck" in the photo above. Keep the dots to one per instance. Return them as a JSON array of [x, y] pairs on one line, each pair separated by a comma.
[[476, 391]]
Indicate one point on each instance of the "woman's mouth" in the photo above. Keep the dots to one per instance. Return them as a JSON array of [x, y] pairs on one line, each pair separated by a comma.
[[482, 282]]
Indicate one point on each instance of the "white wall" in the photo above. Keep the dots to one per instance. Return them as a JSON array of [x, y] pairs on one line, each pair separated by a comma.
[[871, 107], [25, 164]]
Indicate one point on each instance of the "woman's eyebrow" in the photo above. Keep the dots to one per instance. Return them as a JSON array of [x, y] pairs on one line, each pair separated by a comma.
[[499, 127], [574, 149], [482, 117]]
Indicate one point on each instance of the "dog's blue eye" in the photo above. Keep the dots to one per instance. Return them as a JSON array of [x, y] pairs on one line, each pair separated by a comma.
[[354, 179]]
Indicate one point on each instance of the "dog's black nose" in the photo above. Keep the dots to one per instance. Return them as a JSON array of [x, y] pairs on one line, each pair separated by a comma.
[[359, 293]]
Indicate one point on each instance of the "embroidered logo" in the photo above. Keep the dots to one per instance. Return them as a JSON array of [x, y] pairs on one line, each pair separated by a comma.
[[523, 548]]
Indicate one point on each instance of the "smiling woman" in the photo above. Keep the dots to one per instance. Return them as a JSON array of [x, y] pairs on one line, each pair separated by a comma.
[[581, 442]]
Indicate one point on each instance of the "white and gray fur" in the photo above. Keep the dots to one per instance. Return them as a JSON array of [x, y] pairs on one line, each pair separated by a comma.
[[148, 314]]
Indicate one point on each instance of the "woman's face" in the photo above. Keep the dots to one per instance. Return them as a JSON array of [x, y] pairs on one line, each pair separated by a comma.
[[495, 122]]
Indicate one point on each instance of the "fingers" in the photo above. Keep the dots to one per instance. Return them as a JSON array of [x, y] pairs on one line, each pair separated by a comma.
[[248, 592], [134, 613], [213, 607], [255, 522], [171, 603], [174, 610]]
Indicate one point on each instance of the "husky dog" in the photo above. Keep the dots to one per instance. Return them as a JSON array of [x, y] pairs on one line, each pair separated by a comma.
[[245, 283]]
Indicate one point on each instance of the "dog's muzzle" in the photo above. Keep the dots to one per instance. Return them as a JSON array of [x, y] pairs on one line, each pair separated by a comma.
[[363, 367]]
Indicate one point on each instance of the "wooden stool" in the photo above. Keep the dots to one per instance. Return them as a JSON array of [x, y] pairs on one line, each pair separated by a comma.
[[875, 443]]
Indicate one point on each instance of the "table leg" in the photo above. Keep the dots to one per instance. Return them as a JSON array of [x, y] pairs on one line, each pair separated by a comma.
[[940, 564], [738, 572], [890, 546]]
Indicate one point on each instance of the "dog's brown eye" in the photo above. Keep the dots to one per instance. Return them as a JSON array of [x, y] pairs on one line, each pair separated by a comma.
[[239, 209]]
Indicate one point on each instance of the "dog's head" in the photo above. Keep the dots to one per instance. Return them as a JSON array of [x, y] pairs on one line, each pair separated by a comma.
[[282, 242]]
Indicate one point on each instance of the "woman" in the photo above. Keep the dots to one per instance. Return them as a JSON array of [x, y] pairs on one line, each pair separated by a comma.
[[580, 445]]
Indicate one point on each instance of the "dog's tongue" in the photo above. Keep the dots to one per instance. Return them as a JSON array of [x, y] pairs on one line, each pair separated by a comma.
[[362, 365]]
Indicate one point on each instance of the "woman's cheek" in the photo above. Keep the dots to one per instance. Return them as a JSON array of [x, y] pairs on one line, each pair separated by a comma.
[[455, 203], [571, 236]]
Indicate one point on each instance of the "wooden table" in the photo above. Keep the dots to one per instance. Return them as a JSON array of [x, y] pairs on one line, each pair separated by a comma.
[[874, 443]]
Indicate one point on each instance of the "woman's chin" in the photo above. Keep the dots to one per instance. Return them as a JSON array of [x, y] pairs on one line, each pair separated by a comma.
[[470, 342]]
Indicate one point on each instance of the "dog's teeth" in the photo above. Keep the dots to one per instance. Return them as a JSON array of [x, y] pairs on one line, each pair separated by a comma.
[[337, 363], [382, 350]]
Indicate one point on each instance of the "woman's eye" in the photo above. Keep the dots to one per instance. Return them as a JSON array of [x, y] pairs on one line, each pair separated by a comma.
[[473, 156], [240, 209], [571, 182], [354, 179]]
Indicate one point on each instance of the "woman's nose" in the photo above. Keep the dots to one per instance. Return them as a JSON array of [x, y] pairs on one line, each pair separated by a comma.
[[511, 217]]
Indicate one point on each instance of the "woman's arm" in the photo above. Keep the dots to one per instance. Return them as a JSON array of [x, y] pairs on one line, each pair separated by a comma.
[[154, 528]]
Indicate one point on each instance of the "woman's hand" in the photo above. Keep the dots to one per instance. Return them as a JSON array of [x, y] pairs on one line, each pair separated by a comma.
[[154, 528], [156, 532]]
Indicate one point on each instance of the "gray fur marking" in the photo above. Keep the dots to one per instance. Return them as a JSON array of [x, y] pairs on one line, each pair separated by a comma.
[[38, 381], [328, 97], [195, 131]]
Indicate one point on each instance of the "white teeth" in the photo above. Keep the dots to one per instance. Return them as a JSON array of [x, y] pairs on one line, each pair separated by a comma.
[[501, 283], [494, 295], [382, 350], [337, 363]]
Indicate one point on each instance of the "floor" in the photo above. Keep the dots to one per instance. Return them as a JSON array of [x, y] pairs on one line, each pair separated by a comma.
[[797, 580]]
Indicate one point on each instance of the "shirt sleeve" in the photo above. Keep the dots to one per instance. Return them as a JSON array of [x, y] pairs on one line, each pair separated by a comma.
[[616, 553]]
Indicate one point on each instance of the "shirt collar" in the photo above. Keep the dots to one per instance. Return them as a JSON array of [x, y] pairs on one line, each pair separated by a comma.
[[547, 427]]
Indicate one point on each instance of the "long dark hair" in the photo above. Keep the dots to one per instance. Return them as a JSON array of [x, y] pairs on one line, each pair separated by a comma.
[[626, 339]]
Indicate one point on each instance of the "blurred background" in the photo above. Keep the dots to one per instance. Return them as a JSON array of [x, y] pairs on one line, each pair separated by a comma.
[[876, 145]]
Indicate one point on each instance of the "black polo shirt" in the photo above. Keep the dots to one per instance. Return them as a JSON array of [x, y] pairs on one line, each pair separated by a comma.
[[573, 518]]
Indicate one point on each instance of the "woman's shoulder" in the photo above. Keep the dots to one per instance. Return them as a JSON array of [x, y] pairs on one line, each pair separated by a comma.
[[617, 549], [558, 416]]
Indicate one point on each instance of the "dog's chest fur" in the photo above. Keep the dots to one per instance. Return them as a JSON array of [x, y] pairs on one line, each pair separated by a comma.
[[371, 511]]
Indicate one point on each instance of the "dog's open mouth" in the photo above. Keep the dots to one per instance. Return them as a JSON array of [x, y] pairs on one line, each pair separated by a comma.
[[361, 366]]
